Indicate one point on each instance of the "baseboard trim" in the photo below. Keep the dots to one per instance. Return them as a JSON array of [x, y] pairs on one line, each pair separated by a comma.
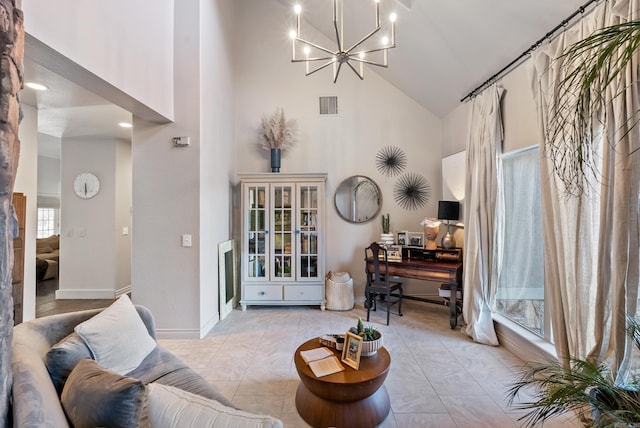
[[85, 294], [208, 326], [169, 333], [123, 290]]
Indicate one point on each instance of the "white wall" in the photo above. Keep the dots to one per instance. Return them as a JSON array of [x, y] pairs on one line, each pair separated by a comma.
[[455, 131], [373, 114], [48, 179], [88, 235], [122, 217], [135, 42], [27, 183], [166, 195], [216, 160]]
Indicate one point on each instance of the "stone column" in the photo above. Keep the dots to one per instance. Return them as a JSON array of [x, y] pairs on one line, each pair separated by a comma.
[[12, 48]]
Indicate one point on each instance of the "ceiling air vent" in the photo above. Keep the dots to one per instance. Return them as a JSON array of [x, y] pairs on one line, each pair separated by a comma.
[[328, 105]]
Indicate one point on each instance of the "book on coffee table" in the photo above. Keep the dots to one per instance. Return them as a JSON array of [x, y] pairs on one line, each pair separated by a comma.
[[326, 366], [315, 354]]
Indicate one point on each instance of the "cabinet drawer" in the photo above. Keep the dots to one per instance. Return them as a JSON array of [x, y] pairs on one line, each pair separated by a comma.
[[263, 292], [303, 292]]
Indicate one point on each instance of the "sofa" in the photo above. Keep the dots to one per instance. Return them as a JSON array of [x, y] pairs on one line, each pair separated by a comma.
[[60, 378], [47, 257]]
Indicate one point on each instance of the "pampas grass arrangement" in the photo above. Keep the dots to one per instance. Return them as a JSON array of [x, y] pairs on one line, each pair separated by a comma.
[[277, 132]]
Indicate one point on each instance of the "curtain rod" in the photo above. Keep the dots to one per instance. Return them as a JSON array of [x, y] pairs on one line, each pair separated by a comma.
[[533, 47]]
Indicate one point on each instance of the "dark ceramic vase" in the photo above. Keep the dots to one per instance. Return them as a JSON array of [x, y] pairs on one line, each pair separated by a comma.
[[275, 160]]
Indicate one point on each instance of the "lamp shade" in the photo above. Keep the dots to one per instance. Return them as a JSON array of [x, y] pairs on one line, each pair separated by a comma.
[[448, 210]]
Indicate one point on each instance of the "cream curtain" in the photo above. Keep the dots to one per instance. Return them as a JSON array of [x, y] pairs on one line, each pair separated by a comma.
[[591, 241], [484, 143]]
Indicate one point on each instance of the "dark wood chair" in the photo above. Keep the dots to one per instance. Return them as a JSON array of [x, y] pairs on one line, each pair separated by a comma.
[[378, 285]]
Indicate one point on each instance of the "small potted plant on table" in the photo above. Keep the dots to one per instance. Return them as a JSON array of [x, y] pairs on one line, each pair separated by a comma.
[[371, 338]]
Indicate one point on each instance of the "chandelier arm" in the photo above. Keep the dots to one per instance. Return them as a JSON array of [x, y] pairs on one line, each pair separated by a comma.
[[361, 76], [336, 72], [324, 58], [367, 61], [335, 22], [319, 68], [377, 64], [338, 38], [306, 42], [364, 39], [378, 49]]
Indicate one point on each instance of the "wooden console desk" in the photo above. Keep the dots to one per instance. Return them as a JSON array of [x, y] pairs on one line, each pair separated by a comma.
[[443, 272]]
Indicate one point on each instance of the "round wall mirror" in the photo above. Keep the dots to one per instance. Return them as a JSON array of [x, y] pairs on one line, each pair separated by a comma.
[[358, 199]]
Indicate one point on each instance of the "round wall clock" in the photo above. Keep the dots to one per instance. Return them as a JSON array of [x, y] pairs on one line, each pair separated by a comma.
[[86, 185]]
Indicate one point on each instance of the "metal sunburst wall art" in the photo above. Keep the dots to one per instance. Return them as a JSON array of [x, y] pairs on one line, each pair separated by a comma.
[[412, 191], [391, 161]]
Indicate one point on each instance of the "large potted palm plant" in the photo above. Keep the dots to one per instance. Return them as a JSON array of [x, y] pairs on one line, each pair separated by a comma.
[[579, 385]]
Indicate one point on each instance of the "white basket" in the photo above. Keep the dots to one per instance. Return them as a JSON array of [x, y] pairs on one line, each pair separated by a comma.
[[339, 291]]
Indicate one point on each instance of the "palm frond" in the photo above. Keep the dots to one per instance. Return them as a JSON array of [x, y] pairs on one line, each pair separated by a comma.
[[557, 388], [591, 65], [580, 386]]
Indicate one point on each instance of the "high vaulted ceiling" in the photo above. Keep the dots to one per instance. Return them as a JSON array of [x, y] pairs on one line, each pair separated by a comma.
[[445, 48]]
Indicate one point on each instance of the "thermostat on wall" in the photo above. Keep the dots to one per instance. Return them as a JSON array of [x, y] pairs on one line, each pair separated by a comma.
[[181, 141]]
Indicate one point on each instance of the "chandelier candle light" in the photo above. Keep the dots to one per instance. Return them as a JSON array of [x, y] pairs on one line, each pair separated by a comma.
[[340, 55]]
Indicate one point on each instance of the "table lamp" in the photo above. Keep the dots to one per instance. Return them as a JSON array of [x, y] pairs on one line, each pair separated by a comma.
[[448, 210]]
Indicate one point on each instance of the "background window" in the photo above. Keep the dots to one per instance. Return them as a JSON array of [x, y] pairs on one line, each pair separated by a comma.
[[47, 222], [520, 293]]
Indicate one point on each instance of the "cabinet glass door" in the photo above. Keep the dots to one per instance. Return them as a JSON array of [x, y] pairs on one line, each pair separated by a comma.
[[257, 232], [282, 229], [308, 232]]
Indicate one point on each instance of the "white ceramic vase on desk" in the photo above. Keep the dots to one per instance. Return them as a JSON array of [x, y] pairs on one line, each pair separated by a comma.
[[386, 238]]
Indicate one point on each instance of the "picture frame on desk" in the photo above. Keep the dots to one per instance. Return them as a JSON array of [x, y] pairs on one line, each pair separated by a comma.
[[394, 253], [415, 239], [352, 350], [401, 238]]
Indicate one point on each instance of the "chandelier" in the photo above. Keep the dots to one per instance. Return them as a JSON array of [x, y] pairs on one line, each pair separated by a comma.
[[359, 53]]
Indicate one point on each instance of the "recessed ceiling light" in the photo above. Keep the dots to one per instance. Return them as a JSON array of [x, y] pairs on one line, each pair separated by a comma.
[[125, 125], [36, 86]]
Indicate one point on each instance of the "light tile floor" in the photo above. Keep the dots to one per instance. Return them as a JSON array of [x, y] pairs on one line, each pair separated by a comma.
[[438, 377]]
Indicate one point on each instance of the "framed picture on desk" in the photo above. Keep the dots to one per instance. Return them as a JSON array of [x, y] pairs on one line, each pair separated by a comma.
[[415, 239], [352, 350], [401, 239], [394, 253]]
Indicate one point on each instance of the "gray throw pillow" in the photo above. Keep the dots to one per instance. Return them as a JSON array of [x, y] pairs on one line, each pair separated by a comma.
[[63, 357], [97, 397]]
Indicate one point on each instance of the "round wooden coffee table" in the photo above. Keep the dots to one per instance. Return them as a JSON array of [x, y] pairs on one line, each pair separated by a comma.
[[348, 399]]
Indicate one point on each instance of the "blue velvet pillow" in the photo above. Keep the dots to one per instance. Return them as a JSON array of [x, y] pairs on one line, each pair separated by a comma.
[[63, 357], [97, 397]]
